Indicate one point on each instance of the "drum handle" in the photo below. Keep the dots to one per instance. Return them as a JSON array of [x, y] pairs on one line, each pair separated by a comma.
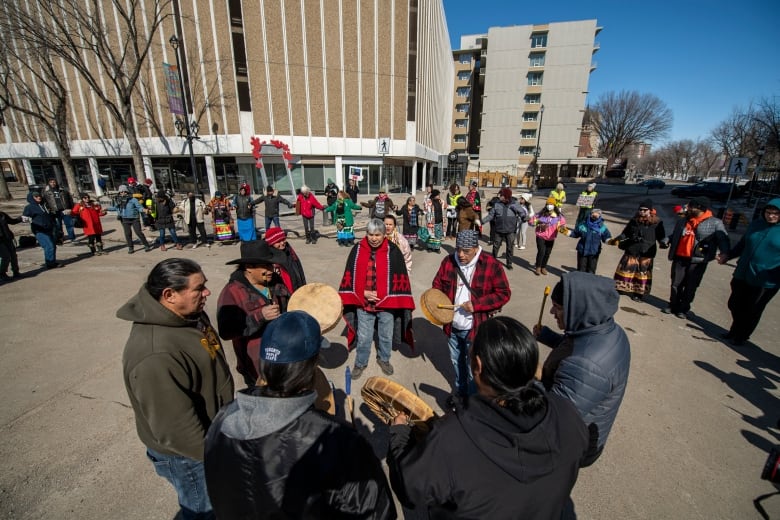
[[444, 306], [544, 300]]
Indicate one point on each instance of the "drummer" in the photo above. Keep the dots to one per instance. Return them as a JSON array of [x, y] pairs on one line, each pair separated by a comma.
[[254, 296], [271, 454], [477, 284], [291, 269]]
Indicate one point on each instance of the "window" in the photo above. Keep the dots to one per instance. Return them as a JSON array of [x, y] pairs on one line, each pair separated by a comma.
[[460, 138], [530, 116], [239, 54], [235, 13], [527, 150], [465, 58], [463, 91], [533, 99], [536, 59], [461, 123], [538, 40], [528, 134], [464, 75], [244, 98], [535, 78], [462, 107]]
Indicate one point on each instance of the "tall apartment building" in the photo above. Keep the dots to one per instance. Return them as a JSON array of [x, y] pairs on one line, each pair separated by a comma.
[[344, 84], [526, 95]]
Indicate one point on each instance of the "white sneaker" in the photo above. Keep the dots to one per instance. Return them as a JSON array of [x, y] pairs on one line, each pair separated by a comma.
[[522, 247], [194, 246]]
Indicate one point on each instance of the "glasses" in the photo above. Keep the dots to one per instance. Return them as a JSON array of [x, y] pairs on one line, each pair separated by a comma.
[[643, 209]]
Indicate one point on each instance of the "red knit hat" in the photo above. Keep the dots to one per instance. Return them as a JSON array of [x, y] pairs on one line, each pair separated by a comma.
[[274, 235]]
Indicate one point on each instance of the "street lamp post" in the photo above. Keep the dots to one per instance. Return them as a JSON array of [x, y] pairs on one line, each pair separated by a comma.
[[538, 150], [187, 130]]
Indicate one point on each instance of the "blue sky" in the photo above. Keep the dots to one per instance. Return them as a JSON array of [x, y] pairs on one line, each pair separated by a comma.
[[703, 58]]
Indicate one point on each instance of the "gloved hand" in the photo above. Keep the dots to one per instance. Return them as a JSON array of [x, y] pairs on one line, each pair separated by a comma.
[[26, 220]]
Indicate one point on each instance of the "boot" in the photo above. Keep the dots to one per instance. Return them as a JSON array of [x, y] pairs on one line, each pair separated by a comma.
[[544, 271], [100, 251], [538, 271], [308, 237], [93, 250]]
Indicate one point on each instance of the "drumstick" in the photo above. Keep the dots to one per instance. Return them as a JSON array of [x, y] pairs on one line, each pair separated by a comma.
[[445, 306], [544, 300], [348, 390]]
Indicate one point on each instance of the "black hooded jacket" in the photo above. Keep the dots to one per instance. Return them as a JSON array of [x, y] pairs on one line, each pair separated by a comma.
[[483, 461]]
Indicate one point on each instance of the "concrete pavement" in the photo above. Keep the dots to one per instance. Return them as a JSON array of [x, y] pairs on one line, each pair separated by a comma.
[[689, 442]]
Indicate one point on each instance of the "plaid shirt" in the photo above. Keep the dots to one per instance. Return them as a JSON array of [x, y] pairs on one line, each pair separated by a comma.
[[489, 284], [370, 281]]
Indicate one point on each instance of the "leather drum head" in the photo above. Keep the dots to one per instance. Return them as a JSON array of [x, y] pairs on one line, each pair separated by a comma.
[[429, 302], [321, 301]]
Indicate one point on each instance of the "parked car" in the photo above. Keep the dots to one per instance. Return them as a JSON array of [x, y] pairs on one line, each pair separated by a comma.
[[694, 178], [713, 190], [653, 184]]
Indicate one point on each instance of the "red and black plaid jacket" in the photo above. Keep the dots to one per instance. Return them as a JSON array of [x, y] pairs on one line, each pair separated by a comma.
[[489, 284]]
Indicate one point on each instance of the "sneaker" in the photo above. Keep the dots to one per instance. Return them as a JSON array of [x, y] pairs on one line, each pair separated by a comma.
[[538, 271], [357, 372], [681, 315], [4, 277], [544, 271], [179, 247], [195, 245], [148, 248], [130, 251], [636, 298], [509, 266], [667, 310], [387, 368], [522, 247], [163, 248]]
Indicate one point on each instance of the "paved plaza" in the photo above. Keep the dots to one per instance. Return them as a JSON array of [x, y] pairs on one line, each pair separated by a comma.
[[697, 421]]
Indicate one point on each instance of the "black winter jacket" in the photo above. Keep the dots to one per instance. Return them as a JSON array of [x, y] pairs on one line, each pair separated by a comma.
[[269, 457], [589, 365], [638, 239], [6, 235], [483, 461]]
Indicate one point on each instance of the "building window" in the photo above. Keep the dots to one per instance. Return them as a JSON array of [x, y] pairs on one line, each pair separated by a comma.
[[530, 116], [460, 138], [244, 98], [536, 59], [464, 75], [463, 91], [528, 134], [465, 58], [235, 13], [538, 40], [527, 150], [533, 99], [461, 123], [462, 107], [239, 54], [535, 78]]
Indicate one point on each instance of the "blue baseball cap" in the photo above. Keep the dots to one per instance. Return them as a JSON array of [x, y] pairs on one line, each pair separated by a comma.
[[294, 336]]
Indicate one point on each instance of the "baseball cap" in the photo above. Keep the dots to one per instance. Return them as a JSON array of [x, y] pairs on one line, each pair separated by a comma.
[[292, 337]]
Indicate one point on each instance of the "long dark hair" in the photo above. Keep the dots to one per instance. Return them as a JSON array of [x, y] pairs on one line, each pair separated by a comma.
[[287, 379], [173, 273], [509, 356]]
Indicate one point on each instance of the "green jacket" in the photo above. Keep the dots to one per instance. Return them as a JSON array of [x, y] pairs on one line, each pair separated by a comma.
[[176, 378], [759, 253], [349, 207]]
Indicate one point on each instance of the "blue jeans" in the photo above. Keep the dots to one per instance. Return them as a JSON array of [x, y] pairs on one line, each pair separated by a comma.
[[459, 354], [365, 335], [188, 478], [268, 221], [46, 241], [61, 219], [172, 232]]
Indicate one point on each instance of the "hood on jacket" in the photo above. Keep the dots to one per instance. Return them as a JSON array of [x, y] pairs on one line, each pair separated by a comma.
[[524, 446], [774, 202], [251, 416], [589, 300], [142, 308]]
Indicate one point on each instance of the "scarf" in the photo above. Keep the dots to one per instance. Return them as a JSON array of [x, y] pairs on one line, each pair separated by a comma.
[[688, 237]]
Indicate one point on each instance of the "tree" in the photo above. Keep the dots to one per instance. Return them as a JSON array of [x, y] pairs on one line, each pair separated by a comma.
[[625, 118], [31, 85], [106, 42]]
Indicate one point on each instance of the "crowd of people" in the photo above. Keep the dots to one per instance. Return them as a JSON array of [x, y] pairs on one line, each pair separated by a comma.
[[517, 430]]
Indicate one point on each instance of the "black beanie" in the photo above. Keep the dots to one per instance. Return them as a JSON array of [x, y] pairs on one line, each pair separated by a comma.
[[647, 203]]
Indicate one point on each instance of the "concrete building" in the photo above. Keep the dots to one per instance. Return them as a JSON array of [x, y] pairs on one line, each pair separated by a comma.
[[359, 86], [527, 91]]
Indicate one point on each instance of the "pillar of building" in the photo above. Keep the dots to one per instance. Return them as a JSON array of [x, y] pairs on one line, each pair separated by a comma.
[[95, 172], [211, 174], [28, 172]]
